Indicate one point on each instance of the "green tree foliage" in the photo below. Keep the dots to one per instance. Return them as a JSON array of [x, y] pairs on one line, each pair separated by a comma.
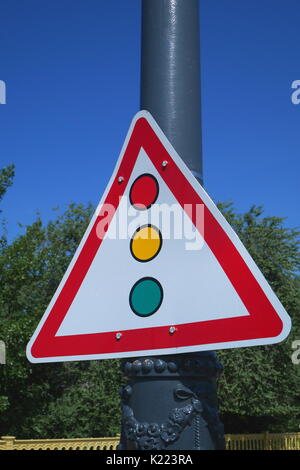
[[49, 400], [259, 389], [6, 179]]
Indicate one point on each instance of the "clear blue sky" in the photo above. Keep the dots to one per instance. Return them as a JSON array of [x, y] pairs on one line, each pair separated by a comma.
[[72, 71]]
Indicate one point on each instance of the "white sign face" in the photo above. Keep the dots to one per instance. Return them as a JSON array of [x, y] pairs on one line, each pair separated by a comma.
[[158, 271]]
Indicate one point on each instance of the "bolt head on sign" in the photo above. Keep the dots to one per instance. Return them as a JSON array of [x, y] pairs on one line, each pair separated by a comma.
[[158, 271]]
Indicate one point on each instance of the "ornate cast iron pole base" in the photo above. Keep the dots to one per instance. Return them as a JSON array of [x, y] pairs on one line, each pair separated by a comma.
[[170, 403]]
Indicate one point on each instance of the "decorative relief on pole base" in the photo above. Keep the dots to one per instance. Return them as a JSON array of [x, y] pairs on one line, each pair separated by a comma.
[[153, 413]]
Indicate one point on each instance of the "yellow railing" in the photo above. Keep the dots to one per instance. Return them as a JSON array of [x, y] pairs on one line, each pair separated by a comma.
[[101, 443], [266, 441]]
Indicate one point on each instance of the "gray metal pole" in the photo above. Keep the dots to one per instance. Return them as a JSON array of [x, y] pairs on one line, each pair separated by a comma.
[[170, 74], [170, 402]]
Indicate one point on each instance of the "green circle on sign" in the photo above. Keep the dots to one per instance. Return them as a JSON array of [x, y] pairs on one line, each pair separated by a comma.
[[146, 296]]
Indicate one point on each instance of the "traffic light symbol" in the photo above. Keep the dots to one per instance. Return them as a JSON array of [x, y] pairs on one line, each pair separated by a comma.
[[146, 243], [146, 295]]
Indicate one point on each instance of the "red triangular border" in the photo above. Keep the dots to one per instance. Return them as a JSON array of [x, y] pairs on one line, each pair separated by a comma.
[[262, 321]]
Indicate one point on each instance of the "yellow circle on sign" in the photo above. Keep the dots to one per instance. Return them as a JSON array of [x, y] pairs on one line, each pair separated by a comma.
[[146, 243]]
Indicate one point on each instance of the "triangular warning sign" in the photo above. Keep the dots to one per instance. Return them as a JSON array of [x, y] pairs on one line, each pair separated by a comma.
[[158, 271]]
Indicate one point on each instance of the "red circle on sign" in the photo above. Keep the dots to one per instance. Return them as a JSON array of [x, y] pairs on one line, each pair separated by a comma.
[[144, 191]]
